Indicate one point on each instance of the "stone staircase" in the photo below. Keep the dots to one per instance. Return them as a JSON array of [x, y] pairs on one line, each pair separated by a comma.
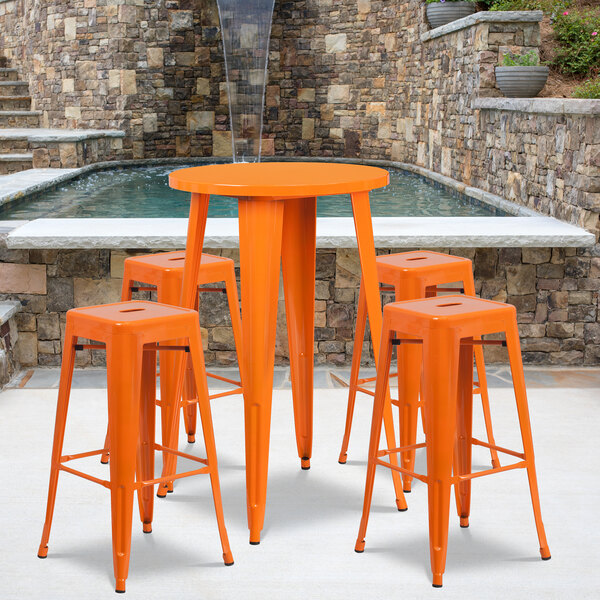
[[15, 112], [25, 145]]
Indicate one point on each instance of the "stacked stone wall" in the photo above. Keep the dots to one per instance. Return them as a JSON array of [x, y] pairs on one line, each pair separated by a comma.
[[354, 78], [555, 291]]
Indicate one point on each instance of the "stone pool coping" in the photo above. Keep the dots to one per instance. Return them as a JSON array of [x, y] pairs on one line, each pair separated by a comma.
[[525, 229], [399, 232]]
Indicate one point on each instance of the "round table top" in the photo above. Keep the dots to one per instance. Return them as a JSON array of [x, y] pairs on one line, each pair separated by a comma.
[[279, 179]]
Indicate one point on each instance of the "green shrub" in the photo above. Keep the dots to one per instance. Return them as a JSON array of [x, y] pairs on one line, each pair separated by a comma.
[[548, 6], [590, 89], [578, 35], [531, 59]]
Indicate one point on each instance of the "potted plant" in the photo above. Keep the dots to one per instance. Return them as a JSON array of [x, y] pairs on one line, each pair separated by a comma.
[[440, 12], [521, 75]]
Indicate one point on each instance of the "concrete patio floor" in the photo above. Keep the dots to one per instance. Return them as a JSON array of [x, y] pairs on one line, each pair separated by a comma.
[[312, 516]]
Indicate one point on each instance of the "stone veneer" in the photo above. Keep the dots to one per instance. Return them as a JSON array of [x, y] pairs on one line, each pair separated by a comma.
[[9, 337], [354, 78], [555, 291]]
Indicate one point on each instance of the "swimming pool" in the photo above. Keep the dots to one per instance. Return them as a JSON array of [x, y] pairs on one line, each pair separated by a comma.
[[137, 192]]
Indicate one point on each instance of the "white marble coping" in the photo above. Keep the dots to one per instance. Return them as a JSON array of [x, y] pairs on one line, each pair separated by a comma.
[[541, 106], [8, 309], [25, 156], [397, 232], [17, 185], [20, 113], [501, 16], [57, 135]]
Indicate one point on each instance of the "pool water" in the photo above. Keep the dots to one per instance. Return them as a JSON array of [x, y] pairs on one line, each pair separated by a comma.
[[137, 192]]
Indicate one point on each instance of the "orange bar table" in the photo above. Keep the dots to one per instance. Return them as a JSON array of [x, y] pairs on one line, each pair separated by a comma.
[[277, 205]]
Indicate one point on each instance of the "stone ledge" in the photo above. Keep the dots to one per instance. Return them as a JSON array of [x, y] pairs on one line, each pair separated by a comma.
[[509, 16], [541, 106], [17, 185], [58, 135], [8, 309], [20, 113], [26, 156], [398, 232]]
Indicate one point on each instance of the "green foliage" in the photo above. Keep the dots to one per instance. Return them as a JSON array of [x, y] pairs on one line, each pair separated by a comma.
[[530, 59], [578, 36], [590, 89], [548, 6]]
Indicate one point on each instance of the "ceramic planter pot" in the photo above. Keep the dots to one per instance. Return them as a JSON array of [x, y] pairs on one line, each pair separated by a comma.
[[440, 13], [521, 82]]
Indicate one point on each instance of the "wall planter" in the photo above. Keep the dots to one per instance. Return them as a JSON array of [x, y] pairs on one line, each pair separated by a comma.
[[441, 13], [521, 82]]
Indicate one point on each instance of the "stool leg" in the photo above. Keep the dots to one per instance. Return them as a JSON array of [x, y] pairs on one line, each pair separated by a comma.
[[485, 403], [234, 313], [124, 371], [409, 384], [516, 367], [105, 454], [190, 394], [170, 401], [361, 211], [126, 295], [464, 431], [209, 438], [147, 432], [359, 336], [298, 256], [440, 365], [469, 287], [381, 392], [189, 408], [64, 391]]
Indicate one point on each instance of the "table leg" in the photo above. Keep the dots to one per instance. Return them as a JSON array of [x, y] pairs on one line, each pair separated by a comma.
[[361, 210], [261, 223], [189, 291], [298, 255]]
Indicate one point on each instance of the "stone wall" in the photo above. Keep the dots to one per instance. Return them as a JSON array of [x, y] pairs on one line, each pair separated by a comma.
[[555, 291], [9, 337], [357, 78], [152, 69]]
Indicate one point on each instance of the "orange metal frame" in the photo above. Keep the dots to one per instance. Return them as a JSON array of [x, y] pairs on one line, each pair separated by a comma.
[[277, 229], [131, 332], [446, 327]]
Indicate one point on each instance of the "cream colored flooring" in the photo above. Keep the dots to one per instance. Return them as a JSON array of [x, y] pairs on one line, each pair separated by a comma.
[[312, 517]]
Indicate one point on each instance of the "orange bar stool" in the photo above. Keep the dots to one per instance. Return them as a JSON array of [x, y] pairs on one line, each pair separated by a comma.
[[132, 333], [413, 275], [163, 273], [448, 329]]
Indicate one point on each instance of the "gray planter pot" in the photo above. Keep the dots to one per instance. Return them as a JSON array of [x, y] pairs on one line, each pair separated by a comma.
[[440, 13], [521, 82]]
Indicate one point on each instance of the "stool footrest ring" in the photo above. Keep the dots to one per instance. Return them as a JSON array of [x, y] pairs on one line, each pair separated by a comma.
[[399, 341]]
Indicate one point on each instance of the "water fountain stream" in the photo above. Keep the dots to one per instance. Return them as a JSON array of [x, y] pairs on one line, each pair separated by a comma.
[[246, 31]]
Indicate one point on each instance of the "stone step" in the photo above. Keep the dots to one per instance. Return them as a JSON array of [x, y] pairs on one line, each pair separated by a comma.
[[7, 74], [13, 163], [19, 118], [15, 102], [13, 88]]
